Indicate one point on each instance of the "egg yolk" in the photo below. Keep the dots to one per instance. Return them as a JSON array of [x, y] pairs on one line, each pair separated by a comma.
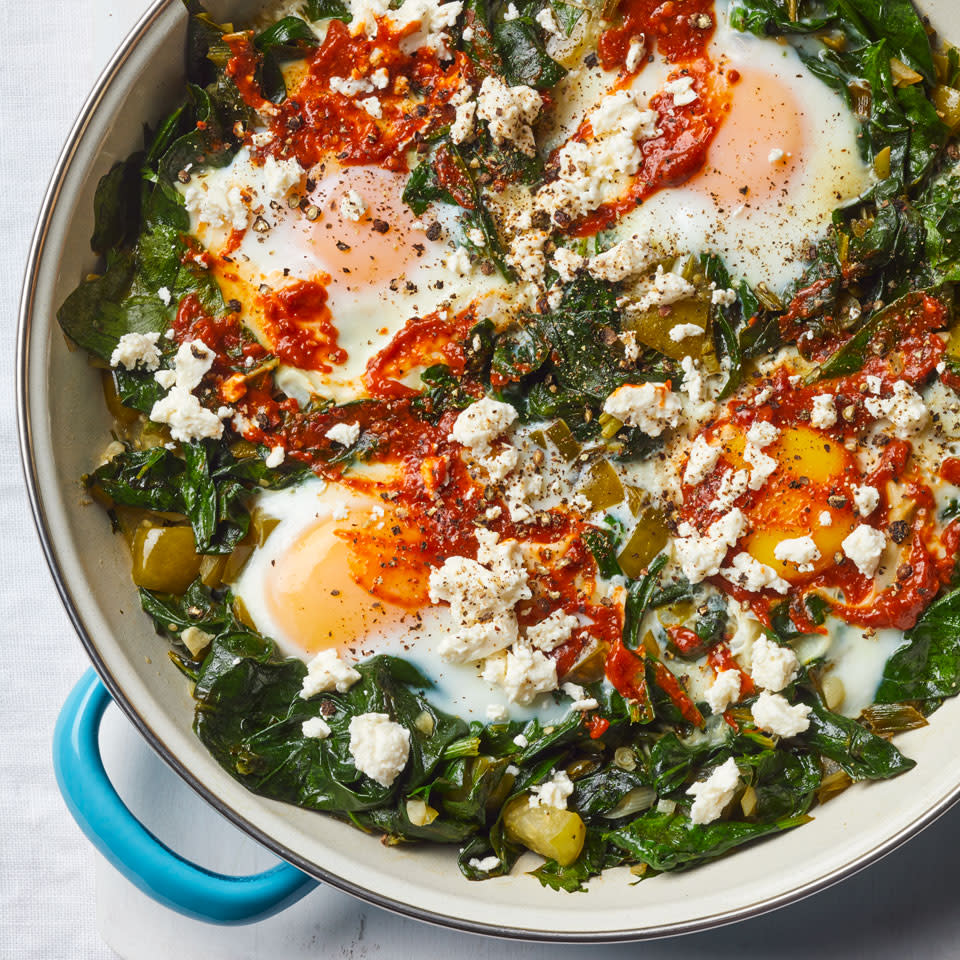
[[759, 144], [313, 595], [381, 243]]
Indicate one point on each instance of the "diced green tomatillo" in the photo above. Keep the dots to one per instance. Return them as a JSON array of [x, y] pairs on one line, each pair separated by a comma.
[[165, 559], [554, 834], [649, 537], [601, 485]]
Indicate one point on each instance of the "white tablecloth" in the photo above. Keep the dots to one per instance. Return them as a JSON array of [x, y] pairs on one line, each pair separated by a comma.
[[52, 51]]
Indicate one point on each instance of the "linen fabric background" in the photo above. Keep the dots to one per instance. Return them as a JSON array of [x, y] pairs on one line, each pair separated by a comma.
[[52, 52]]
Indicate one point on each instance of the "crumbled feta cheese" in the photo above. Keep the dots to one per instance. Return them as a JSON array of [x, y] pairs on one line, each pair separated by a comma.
[[195, 640], [712, 795], [750, 574], [724, 690], [775, 155], [865, 547], [866, 499], [461, 130], [458, 262], [874, 383], [635, 52], [700, 555], [497, 712], [186, 417], [553, 792], [380, 79], [316, 728], [326, 672], [682, 91], [352, 206], [624, 259], [651, 407], [547, 20], [281, 176], [344, 433], [762, 433], [431, 19], [772, 712], [485, 865], [683, 330], [166, 298], [275, 457], [823, 413], [567, 263], [380, 747], [550, 633], [825, 518], [733, 485], [511, 13], [524, 673], [482, 422], [581, 702], [799, 550], [905, 409], [762, 465], [526, 255], [618, 113], [350, 86], [372, 106], [703, 458], [521, 741], [136, 350], [723, 298], [509, 112], [772, 667], [482, 594], [665, 288], [692, 382], [762, 396]]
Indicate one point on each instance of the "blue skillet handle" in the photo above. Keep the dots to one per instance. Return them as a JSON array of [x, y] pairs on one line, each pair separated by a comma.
[[133, 850]]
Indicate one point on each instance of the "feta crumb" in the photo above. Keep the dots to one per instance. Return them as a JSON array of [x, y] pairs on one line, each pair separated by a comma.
[[166, 298], [186, 417], [511, 13], [823, 413], [380, 78], [762, 465], [866, 499], [733, 485], [461, 130], [905, 409], [344, 433], [482, 422], [547, 20], [723, 298], [712, 795], [581, 702], [703, 458], [521, 741], [485, 865], [372, 106], [524, 673], [350, 86], [772, 712], [136, 350], [526, 255], [762, 396], [865, 547], [316, 728], [692, 382], [772, 667], [700, 556], [825, 518], [567, 263], [550, 633], [326, 672], [553, 792], [799, 550], [874, 383], [458, 262], [750, 574], [762, 433], [635, 52], [682, 91], [509, 112], [724, 690], [650, 407], [775, 155], [497, 712], [352, 206], [380, 747], [683, 330], [665, 288], [624, 259], [275, 457]]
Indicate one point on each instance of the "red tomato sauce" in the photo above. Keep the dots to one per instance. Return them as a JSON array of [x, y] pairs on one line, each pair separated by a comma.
[[298, 324]]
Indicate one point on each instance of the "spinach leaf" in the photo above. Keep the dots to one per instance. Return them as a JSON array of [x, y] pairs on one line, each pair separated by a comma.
[[668, 841], [926, 667], [287, 39], [639, 595], [443, 392], [522, 55], [862, 754], [328, 10], [595, 857]]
